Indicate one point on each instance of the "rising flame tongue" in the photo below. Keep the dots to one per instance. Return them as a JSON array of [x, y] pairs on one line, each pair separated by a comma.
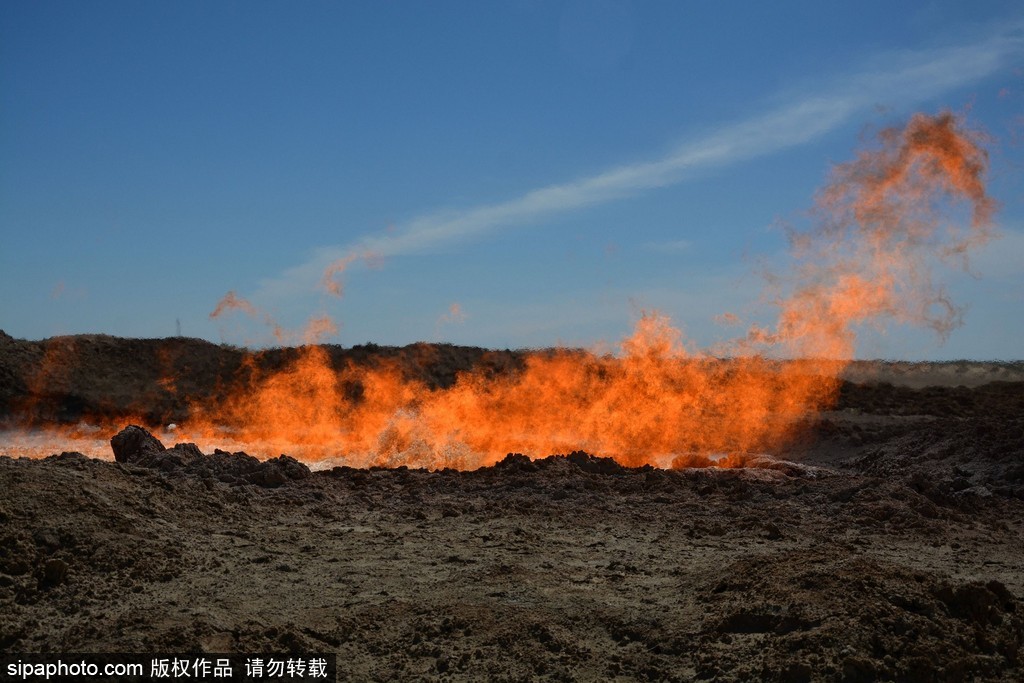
[[880, 228]]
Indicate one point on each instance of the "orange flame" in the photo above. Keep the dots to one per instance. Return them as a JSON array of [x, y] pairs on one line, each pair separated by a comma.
[[880, 228], [51, 374]]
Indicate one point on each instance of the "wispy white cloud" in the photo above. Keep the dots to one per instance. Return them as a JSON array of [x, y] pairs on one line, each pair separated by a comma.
[[897, 80]]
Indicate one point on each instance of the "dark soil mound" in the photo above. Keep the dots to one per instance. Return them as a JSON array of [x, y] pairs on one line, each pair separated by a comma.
[[565, 568]]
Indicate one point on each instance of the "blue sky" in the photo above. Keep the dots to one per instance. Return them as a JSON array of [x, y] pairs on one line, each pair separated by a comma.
[[552, 167]]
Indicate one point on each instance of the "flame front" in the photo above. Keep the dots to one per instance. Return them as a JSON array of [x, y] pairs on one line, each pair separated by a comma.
[[653, 404], [881, 225]]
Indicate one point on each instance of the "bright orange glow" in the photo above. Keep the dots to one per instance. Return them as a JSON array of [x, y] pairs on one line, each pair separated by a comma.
[[655, 402]]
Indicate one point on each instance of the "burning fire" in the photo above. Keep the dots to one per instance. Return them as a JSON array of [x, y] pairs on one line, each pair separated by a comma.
[[881, 224]]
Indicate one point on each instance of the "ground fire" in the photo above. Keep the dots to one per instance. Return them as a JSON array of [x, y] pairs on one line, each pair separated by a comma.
[[882, 222]]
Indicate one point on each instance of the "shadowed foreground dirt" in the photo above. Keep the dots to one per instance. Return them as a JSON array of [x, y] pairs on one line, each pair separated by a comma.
[[888, 545], [568, 568]]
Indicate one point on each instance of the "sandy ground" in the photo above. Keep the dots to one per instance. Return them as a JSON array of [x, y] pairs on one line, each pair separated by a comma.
[[888, 545]]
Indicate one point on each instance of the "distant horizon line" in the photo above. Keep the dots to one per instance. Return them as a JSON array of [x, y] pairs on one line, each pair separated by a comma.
[[518, 350]]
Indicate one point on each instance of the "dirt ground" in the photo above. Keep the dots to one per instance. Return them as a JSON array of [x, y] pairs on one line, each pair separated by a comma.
[[887, 545]]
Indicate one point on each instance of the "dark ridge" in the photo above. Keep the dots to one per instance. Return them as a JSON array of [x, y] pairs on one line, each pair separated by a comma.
[[68, 379], [133, 445]]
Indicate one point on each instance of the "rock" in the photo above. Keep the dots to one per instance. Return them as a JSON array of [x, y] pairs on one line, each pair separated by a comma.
[[135, 446], [516, 462], [182, 455], [277, 472], [594, 464], [132, 443], [54, 572], [188, 451]]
